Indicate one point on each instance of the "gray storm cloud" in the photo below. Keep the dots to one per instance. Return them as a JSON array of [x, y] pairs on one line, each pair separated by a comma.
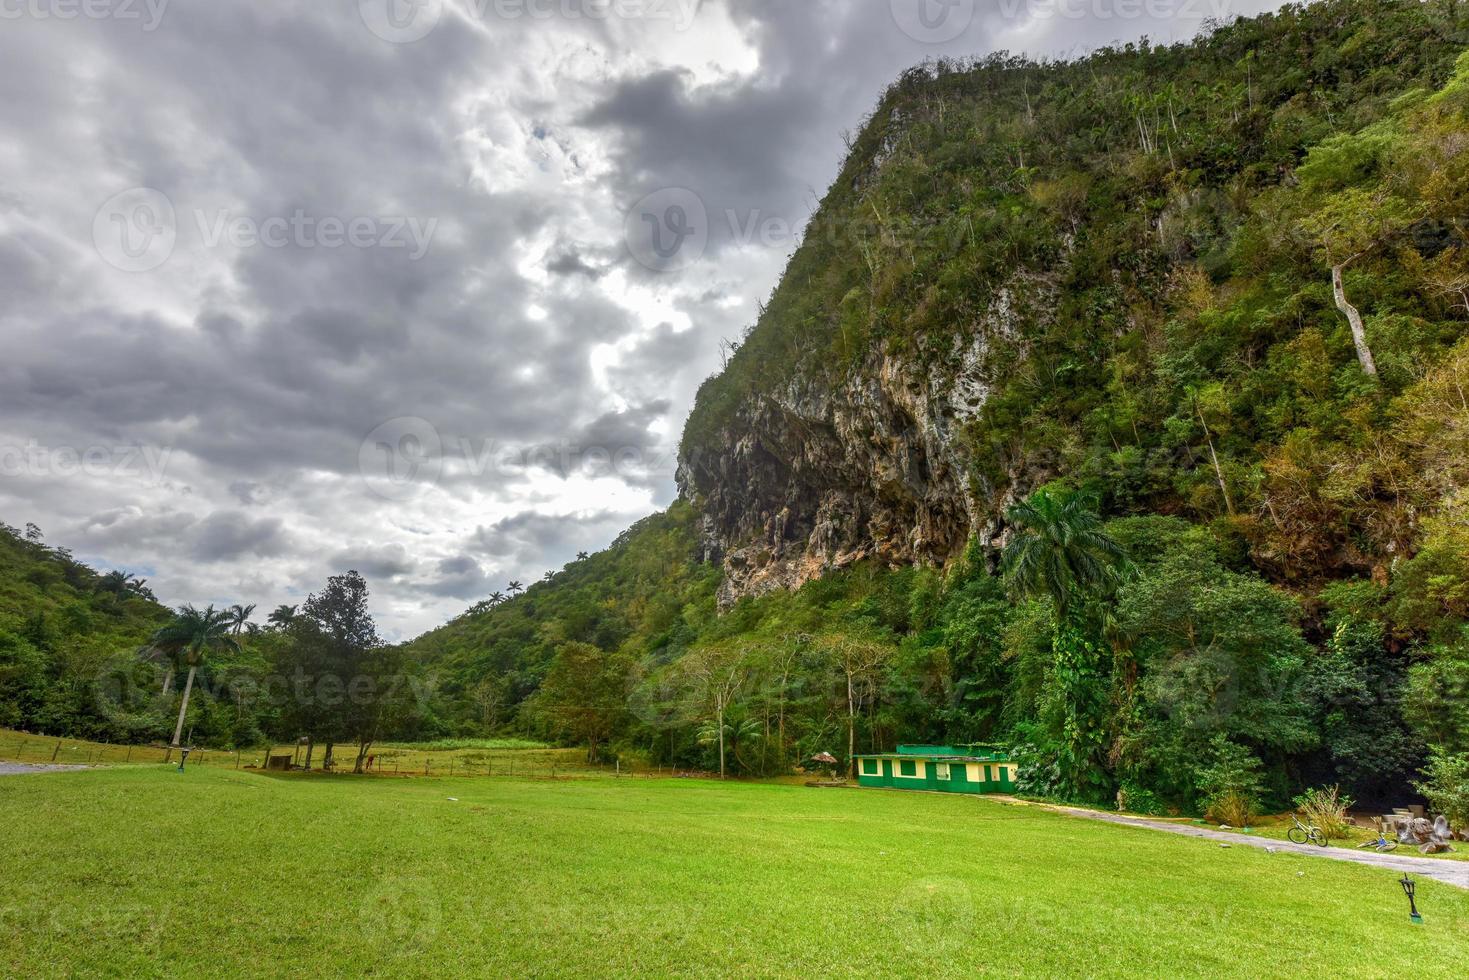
[[256, 369]]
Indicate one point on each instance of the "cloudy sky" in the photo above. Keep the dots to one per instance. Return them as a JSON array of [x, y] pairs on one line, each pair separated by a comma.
[[419, 287]]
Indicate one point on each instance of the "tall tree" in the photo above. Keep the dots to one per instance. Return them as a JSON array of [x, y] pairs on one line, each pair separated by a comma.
[[1059, 551], [859, 657], [711, 678], [194, 634], [240, 617], [584, 695], [282, 616]]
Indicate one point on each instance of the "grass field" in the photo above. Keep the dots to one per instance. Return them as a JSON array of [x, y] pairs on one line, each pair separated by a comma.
[[463, 757], [143, 871]]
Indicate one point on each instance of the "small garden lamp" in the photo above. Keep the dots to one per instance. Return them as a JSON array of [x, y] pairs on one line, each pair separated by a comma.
[[1409, 886], [184, 756]]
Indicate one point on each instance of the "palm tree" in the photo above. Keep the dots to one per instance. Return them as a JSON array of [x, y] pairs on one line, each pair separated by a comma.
[[282, 616], [496, 598], [115, 581], [193, 635], [515, 588], [155, 653], [240, 617], [582, 556], [1060, 550]]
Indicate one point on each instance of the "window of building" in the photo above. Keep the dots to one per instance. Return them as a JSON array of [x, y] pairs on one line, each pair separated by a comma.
[[942, 769], [869, 767], [907, 767]]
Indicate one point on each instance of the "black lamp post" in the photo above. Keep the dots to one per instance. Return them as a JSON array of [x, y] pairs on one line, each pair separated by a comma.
[[183, 757], [1409, 886]]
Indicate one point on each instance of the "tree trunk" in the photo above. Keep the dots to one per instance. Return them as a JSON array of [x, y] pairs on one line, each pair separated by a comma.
[[362, 748], [1359, 332], [328, 759], [1214, 457], [178, 730], [167, 681], [310, 747], [851, 729], [719, 720]]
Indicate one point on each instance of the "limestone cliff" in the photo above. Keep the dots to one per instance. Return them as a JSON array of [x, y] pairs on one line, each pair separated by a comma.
[[811, 476]]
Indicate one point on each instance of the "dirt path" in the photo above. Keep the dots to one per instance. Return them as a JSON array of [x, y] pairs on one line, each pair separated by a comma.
[[21, 768], [1454, 873]]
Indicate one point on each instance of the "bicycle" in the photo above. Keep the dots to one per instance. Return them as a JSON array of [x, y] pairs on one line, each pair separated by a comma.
[[1381, 845], [1301, 833]]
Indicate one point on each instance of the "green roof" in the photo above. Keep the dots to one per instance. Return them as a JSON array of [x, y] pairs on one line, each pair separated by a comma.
[[974, 752]]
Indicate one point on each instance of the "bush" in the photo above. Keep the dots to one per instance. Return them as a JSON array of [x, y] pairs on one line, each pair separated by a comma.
[[1133, 798], [1231, 785], [1326, 808], [1447, 788]]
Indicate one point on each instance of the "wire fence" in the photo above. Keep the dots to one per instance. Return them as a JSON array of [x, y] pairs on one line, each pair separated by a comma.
[[402, 761]]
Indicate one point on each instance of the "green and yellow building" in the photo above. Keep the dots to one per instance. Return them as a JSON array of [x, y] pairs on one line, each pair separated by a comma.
[[939, 769]]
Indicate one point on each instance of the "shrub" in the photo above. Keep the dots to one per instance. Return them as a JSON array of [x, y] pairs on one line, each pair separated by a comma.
[[1326, 808], [1133, 798], [1447, 788], [1231, 785]]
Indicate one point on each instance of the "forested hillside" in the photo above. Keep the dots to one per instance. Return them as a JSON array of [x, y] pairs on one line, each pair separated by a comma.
[[1210, 299], [61, 626]]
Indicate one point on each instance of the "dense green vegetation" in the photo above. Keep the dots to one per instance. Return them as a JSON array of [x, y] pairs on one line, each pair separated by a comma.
[[1232, 405], [61, 626], [1287, 608], [94, 656], [337, 876]]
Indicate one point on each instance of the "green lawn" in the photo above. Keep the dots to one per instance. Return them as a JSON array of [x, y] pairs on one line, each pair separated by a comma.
[[142, 871]]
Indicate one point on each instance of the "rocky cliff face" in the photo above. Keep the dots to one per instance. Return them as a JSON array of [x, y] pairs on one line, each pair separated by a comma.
[[814, 476]]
